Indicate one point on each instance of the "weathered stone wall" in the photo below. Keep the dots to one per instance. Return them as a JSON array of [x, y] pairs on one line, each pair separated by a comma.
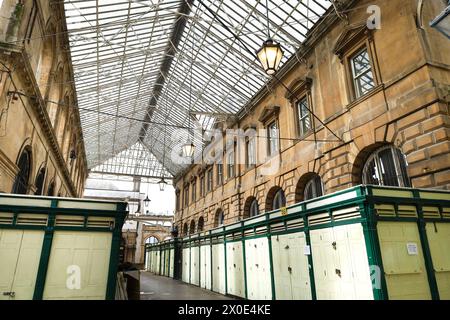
[[38, 100], [408, 108]]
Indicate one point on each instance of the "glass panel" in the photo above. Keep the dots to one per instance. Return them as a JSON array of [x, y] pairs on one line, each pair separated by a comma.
[[387, 168], [371, 175], [273, 138], [279, 200], [254, 208], [251, 155], [362, 73]]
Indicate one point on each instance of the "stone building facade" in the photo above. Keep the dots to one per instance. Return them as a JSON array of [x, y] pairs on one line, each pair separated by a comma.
[[41, 143], [380, 101]]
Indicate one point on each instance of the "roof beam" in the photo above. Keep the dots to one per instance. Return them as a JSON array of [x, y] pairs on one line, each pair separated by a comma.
[[179, 26]]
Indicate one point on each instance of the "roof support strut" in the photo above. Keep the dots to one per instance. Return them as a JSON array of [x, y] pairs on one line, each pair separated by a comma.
[[169, 54]]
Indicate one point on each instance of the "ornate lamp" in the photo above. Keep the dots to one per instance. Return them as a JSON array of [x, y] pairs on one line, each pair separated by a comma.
[[147, 201], [188, 150], [162, 184], [270, 56]]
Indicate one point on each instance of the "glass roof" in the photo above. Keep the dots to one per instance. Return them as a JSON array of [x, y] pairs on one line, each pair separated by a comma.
[[144, 69]]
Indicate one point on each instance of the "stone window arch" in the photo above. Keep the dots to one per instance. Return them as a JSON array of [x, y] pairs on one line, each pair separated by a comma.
[[309, 186], [219, 218], [275, 199], [200, 224], [386, 166], [251, 207], [192, 227]]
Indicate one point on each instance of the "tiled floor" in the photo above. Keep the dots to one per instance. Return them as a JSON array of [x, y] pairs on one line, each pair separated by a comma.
[[155, 287]]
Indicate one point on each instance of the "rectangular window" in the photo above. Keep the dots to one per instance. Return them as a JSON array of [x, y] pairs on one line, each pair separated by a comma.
[[230, 164], [219, 174], [194, 191], [272, 133], [186, 196], [250, 152], [209, 182], [202, 186], [303, 117], [362, 74]]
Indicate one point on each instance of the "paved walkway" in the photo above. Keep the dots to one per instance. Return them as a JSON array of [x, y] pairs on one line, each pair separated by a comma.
[[155, 287]]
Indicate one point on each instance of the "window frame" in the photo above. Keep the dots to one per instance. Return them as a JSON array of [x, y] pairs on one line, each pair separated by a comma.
[[231, 166], [219, 174], [357, 92], [186, 196], [209, 180], [273, 152], [402, 181], [311, 184], [251, 209], [299, 118], [250, 141], [202, 185], [194, 191]]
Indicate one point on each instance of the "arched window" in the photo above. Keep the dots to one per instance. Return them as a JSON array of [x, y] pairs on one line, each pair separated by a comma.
[[386, 167], [254, 208], [220, 218], [40, 182], [51, 189], [201, 224], [21, 183], [192, 227], [151, 240], [185, 229], [279, 200], [313, 188]]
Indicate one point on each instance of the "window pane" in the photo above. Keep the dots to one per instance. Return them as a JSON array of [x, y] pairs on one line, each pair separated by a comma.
[[371, 173], [279, 200], [254, 209], [362, 73], [387, 168], [273, 138], [361, 63], [304, 119]]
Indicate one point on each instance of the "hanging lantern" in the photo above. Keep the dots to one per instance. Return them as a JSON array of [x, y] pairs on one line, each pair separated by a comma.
[[146, 201], [442, 22], [188, 150], [162, 184], [270, 56]]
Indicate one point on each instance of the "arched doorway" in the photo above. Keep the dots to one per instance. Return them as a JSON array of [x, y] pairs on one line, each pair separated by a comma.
[[151, 240], [21, 182]]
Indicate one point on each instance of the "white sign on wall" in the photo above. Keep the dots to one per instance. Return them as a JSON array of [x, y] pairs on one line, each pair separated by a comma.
[[412, 249]]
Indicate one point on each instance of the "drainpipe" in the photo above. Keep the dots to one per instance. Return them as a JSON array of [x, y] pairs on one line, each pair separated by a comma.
[[12, 31]]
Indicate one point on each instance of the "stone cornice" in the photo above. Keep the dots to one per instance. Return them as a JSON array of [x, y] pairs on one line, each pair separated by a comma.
[[24, 70]]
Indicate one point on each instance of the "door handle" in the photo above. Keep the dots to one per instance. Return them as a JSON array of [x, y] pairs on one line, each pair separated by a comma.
[[338, 272], [12, 294], [290, 269]]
